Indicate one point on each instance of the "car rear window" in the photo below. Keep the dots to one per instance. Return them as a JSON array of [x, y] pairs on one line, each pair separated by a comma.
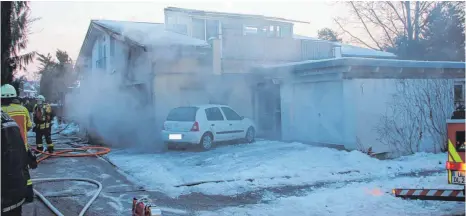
[[182, 114]]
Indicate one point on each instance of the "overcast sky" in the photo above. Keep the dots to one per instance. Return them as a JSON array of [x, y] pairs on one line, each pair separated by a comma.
[[63, 25]]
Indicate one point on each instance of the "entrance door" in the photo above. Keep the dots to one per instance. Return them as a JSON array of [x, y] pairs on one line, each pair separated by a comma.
[[268, 110]]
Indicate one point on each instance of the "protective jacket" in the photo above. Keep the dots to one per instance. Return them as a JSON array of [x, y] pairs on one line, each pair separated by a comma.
[[42, 115], [14, 159], [21, 115]]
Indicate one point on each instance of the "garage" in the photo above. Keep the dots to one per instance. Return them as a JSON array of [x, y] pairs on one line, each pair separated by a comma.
[[317, 108]]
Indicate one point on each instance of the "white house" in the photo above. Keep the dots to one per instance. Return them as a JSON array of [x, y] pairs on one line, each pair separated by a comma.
[[342, 101], [196, 57]]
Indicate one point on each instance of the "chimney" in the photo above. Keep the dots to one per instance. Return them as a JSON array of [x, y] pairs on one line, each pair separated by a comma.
[[337, 51], [216, 55]]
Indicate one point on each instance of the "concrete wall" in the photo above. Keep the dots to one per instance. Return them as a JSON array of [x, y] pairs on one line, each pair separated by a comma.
[[366, 101], [370, 100], [346, 113]]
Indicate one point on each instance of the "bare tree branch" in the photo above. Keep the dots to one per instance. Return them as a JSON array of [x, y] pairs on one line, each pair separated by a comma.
[[365, 26], [384, 27], [358, 39], [403, 20]]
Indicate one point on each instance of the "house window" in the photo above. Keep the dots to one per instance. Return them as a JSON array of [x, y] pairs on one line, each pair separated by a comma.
[[286, 31], [250, 30], [101, 62], [112, 47], [277, 31], [180, 28], [199, 29], [212, 29]]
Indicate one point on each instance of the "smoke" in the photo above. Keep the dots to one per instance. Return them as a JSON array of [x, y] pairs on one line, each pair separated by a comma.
[[127, 108], [126, 104]]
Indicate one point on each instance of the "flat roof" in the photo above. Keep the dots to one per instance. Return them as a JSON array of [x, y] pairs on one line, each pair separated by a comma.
[[357, 67], [356, 61]]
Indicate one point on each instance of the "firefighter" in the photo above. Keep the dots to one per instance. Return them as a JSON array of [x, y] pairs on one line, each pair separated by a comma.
[[21, 116], [43, 119], [14, 159]]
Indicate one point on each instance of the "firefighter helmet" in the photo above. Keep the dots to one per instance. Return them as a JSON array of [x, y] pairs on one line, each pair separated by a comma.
[[8, 91], [41, 98]]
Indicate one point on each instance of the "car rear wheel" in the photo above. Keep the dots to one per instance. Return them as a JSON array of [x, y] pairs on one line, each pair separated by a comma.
[[207, 141], [250, 135]]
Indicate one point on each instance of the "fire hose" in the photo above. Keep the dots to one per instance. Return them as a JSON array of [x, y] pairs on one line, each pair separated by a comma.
[[66, 152]]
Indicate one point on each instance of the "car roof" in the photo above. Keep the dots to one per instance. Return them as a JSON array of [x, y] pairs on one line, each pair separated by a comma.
[[204, 106]]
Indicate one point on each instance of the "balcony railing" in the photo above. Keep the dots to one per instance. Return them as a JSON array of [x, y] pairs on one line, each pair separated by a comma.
[[275, 49]]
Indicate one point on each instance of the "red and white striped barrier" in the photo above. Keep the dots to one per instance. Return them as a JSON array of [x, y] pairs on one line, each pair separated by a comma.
[[431, 194]]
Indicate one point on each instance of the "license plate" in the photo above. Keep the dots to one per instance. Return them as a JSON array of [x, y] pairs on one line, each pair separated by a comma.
[[174, 136], [457, 177]]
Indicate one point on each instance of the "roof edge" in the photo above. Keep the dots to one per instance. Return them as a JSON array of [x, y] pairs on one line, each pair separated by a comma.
[[187, 10]]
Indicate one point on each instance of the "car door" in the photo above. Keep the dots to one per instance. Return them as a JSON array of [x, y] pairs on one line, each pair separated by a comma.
[[217, 123], [236, 129]]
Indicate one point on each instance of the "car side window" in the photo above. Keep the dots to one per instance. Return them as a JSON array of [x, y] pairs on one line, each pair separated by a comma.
[[214, 114], [230, 114]]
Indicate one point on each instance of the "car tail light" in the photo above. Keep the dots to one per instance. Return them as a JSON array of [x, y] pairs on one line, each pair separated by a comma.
[[455, 166], [195, 127]]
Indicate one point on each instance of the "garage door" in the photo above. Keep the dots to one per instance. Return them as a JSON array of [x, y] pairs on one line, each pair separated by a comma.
[[318, 112]]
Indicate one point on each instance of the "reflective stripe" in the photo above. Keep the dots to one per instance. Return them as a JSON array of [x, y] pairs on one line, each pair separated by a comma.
[[9, 208], [29, 182], [454, 154], [50, 145], [40, 145], [21, 117]]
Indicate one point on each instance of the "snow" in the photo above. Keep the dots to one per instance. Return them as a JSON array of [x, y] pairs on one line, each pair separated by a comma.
[[269, 163], [371, 198], [353, 51], [64, 129], [149, 34]]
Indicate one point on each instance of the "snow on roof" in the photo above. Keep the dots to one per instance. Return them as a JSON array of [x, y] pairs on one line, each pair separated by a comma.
[[353, 51], [358, 61], [149, 34]]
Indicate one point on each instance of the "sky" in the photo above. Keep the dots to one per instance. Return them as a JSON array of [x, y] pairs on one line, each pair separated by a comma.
[[63, 24]]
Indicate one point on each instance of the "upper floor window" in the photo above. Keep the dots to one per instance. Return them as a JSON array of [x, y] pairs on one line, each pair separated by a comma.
[[101, 61], [250, 30], [174, 24], [268, 30], [180, 28], [112, 47], [212, 29], [199, 28]]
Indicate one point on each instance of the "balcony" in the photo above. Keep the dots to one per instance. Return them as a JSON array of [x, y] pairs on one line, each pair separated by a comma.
[[239, 53]]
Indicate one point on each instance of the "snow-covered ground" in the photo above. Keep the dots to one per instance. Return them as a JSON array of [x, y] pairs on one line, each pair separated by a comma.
[[371, 198], [64, 129], [269, 163]]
